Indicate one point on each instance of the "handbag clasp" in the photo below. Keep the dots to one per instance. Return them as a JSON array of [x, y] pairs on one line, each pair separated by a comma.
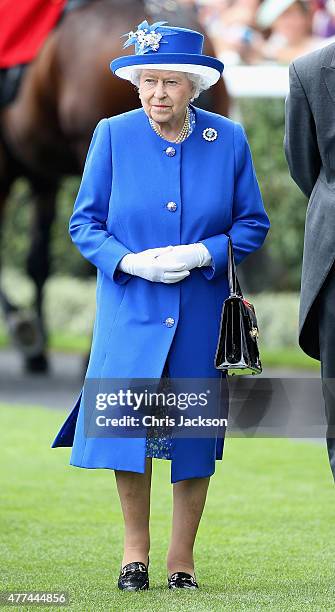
[[254, 333]]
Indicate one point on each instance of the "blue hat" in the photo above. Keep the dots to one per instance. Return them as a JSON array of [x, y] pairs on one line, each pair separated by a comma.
[[167, 48]]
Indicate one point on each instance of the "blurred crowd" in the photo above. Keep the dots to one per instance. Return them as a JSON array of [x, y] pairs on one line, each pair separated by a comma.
[[258, 31]]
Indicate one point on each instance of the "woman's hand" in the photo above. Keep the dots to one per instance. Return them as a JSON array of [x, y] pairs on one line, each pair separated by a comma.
[[194, 255], [155, 265]]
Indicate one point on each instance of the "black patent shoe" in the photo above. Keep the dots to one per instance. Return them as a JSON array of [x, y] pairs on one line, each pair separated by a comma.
[[134, 577], [182, 580]]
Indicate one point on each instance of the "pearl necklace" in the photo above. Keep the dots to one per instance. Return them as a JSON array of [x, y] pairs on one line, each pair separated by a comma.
[[183, 132]]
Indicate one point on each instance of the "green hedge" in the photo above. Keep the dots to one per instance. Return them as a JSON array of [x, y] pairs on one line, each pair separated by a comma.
[[264, 121]]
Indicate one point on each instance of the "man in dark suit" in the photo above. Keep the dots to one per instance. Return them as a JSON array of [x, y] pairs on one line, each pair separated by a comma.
[[310, 152]]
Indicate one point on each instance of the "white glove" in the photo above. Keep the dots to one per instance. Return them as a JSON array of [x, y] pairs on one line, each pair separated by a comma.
[[153, 266], [194, 255]]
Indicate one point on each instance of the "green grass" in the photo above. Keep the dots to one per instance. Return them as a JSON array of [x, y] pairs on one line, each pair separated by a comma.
[[282, 358], [266, 539], [290, 357]]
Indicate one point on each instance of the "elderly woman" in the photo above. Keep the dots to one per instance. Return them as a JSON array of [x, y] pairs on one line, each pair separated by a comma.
[[163, 187]]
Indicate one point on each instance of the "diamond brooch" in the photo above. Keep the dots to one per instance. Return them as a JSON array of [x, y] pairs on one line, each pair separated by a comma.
[[209, 134]]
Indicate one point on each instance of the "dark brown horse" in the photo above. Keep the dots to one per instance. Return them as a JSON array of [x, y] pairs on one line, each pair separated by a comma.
[[45, 132]]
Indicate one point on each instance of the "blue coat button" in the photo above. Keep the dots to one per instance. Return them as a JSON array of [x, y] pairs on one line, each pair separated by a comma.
[[171, 206], [170, 151], [169, 322]]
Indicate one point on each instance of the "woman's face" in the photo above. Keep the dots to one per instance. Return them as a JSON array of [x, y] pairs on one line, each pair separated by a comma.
[[164, 94], [294, 23]]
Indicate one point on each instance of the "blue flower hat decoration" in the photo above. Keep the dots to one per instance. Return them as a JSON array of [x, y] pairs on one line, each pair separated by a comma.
[[163, 47], [146, 38]]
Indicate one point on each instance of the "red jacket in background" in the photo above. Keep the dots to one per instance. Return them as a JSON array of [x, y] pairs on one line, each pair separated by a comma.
[[24, 27]]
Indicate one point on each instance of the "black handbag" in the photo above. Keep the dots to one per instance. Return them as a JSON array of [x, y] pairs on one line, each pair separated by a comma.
[[237, 348]]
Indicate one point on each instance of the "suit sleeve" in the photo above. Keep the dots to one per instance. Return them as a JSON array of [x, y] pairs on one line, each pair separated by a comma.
[[87, 226], [300, 141], [250, 222]]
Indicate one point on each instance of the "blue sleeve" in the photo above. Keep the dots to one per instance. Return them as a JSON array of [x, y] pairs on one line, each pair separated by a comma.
[[250, 223], [87, 226]]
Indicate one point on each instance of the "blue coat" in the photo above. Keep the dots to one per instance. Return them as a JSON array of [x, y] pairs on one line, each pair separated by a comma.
[[121, 207]]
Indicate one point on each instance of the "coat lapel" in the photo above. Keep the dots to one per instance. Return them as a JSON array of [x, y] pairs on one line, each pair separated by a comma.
[[328, 73]]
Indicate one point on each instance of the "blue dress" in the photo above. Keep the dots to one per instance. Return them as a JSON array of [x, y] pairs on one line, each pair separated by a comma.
[[159, 445], [131, 178]]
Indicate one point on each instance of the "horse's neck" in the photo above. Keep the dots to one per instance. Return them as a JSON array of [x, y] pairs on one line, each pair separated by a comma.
[[71, 5], [171, 11], [157, 10]]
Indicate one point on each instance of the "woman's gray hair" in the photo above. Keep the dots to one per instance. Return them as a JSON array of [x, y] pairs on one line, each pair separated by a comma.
[[198, 81]]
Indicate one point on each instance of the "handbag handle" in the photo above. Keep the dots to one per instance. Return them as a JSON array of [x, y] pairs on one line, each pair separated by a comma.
[[234, 285]]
